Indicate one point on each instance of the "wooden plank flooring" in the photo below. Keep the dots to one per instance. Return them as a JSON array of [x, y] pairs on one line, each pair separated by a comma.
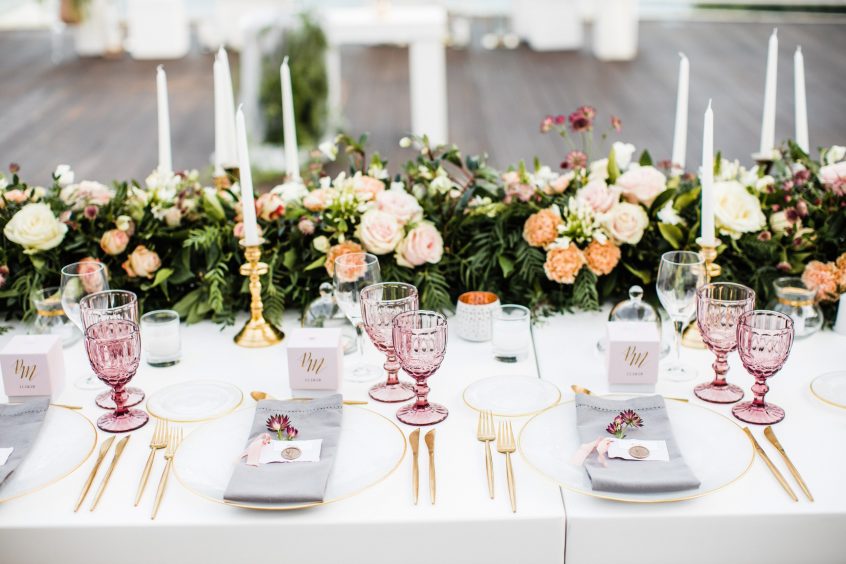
[[100, 115]]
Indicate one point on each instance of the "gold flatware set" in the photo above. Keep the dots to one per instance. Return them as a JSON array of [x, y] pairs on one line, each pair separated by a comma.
[[770, 435], [414, 441], [505, 444]]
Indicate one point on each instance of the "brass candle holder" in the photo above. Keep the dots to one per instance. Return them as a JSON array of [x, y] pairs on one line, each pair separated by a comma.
[[257, 332], [691, 337]]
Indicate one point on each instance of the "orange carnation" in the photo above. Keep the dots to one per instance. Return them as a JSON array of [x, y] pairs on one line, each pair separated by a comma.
[[822, 277], [563, 264], [541, 228], [340, 249], [602, 257]]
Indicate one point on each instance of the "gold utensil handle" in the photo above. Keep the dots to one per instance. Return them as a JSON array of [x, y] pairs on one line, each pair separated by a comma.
[[510, 474], [770, 434], [771, 466], [87, 485], [489, 468], [162, 487], [432, 477], [354, 402], [415, 479], [145, 476]]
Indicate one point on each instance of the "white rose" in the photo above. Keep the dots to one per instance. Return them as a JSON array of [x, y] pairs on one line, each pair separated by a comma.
[[626, 222], [379, 231], [290, 192], [835, 154], [399, 204], [87, 192], [642, 184], [35, 228], [736, 210], [623, 153], [64, 175]]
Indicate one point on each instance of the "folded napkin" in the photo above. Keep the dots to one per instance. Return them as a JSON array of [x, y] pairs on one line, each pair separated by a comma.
[[295, 481], [593, 414], [19, 427]]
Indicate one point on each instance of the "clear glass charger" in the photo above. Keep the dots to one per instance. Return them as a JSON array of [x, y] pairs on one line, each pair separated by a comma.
[[200, 400], [830, 388], [511, 396]]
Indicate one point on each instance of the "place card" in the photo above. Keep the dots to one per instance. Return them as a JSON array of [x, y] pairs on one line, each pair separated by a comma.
[[5, 453], [291, 451], [32, 365], [632, 356], [315, 359], [633, 449]]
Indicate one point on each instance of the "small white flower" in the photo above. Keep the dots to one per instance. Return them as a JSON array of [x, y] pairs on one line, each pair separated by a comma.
[[761, 184], [623, 153], [835, 154], [290, 192], [405, 142], [330, 149], [668, 214], [64, 175], [321, 243]]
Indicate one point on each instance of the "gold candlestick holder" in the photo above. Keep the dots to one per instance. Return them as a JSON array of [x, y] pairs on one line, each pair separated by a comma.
[[691, 337], [258, 332]]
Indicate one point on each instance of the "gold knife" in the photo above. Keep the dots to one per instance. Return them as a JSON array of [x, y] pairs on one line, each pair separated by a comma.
[[104, 448], [770, 464], [770, 434], [414, 440], [430, 444], [105, 482]]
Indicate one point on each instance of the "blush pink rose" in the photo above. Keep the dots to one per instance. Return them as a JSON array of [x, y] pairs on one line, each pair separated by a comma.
[[642, 184], [367, 187], [319, 200], [142, 263], [114, 241], [89, 272], [379, 231], [15, 196], [399, 204], [422, 244], [834, 174], [598, 196], [270, 207]]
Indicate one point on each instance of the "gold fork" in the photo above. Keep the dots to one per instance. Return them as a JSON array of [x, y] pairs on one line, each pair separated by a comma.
[[172, 444], [506, 445], [485, 433], [159, 441]]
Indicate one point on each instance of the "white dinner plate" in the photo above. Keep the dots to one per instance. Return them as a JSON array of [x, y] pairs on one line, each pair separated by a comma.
[[715, 448], [65, 441], [370, 448], [831, 388], [200, 400], [511, 396]]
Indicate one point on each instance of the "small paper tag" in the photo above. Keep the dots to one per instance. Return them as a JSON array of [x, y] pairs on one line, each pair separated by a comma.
[[291, 451], [5, 453], [631, 449]]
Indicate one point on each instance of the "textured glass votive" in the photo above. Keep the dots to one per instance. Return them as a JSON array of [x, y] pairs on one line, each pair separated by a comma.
[[512, 333], [160, 337]]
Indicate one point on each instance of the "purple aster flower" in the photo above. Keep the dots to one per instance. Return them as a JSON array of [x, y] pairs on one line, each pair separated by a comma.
[[292, 432], [278, 424]]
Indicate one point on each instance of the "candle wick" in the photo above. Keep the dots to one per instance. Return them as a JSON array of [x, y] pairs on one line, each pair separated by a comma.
[[709, 104], [799, 49], [775, 31], [285, 61], [682, 55], [160, 68]]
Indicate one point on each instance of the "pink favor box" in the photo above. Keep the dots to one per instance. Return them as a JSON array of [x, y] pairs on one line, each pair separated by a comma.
[[632, 356], [315, 359], [32, 365]]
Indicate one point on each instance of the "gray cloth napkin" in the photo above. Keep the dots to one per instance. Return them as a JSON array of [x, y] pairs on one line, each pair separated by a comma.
[[295, 481], [593, 414], [19, 427]]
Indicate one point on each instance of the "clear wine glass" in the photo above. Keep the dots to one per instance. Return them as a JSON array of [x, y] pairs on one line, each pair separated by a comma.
[[111, 304], [718, 307], [380, 303], [420, 340], [78, 280], [764, 340], [114, 351], [354, 271], [680, 274]]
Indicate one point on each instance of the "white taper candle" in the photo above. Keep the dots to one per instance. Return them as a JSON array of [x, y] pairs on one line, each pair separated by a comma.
[[707, 178], [680, 132], [801, 101], [165, 162], [768, 122], [292, 160], [248, 204]]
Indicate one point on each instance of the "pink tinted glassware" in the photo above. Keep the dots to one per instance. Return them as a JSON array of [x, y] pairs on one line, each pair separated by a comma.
[[114, 351], [420, 340], [718, 307], [764, 339], [380, 303], [111, 304]]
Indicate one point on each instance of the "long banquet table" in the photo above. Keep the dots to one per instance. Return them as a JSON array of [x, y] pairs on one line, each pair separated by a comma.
[[751, 520]]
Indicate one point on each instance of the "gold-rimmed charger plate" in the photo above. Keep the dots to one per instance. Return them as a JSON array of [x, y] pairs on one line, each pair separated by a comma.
[[65, 441], [715, 448], [204, 461], [195, 401], [830, 388], [511, 396]]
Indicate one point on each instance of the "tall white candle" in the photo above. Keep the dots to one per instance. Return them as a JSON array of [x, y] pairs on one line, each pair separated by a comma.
[[680, 133], [801, 102], [229, 156], [248, 203], [165, 162], [218, 119], [292, 160], [768, 123], [707, 178]]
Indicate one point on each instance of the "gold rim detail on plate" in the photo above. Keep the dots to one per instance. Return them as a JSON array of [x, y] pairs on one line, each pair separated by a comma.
[[819, 397], [514, 415], [203, 420], [313, 503], [69, 472], [611, 496]]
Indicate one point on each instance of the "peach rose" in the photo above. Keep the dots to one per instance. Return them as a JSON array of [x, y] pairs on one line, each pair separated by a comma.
[[602, 257], [335, 251], [626, 222], [822, 277], [270, 207], [319, 200], [367, 187], [422, 244], [15, 196], [399, 204], [142, 263], [598, 196], [89, 272], [541, 228], [379, 231], [561, 183], [563, 264], [114, 241], [642, 184]]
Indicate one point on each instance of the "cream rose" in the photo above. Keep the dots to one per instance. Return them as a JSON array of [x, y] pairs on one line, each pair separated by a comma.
[[599, 197], [642, 184], [779, 222], [736, 210], [422, 244], [142, 263], [626, 222], [114, 241], [379, 231], [399, 204], [35, 228]]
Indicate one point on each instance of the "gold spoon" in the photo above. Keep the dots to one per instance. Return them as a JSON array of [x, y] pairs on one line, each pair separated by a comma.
[[581, 390], [259, 395]]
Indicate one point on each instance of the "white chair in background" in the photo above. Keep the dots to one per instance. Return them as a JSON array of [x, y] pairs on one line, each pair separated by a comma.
[[615, 30], [548, 25], [157, 29]]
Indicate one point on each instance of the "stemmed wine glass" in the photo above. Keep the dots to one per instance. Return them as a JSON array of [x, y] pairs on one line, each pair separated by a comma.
[[680, 274], [718, 308], [114, 351], [111, 304], [78, 280], [354, 271], [764, 339], [380, 303], [420, 340]]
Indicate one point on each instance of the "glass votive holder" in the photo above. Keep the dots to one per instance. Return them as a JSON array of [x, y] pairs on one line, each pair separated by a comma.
[[50, 318], [160, 337], [512, 333]]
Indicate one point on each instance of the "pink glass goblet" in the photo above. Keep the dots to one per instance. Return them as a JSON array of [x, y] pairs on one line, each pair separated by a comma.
[[420, 340], [111, 304], [718, 307], [114, 351], [380, 303], [764, 339]]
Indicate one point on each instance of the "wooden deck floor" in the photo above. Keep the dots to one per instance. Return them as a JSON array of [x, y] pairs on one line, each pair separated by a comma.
[[100, 115]]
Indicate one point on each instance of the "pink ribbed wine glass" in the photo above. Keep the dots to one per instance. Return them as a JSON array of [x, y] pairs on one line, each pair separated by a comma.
[[78, 280], [380, 303], [718, 307], [420, 340], [111, 304], [114, 351], [764, 339]]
